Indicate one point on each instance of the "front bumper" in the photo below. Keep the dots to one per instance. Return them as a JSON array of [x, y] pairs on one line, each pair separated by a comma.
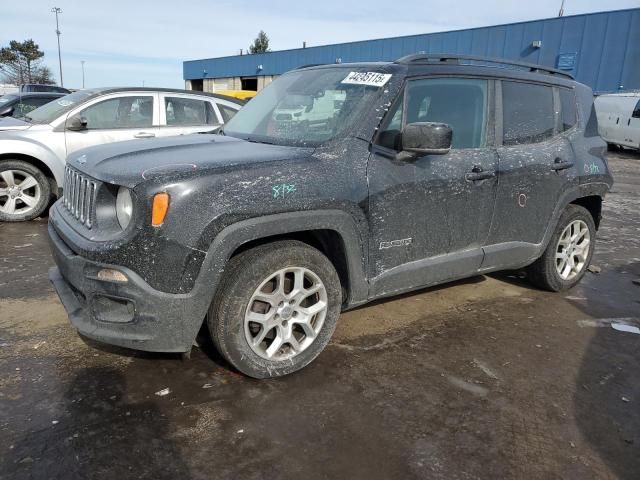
[[131, 314]]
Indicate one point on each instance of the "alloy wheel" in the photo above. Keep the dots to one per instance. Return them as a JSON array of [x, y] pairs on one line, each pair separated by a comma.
[[285, 313], [572, 250], [19, 192]]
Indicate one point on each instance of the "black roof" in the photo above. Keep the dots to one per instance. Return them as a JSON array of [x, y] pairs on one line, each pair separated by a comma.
[[468, 60], [467, 64]]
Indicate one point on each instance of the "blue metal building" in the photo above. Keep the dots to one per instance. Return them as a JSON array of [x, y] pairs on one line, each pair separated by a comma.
[[600, 49]]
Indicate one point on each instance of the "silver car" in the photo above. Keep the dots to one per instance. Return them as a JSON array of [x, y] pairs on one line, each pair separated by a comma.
[[33, 150]]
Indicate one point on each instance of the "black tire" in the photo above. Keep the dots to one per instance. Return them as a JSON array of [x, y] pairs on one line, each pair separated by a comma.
[[543, 272], [243, 275], [43, 185]]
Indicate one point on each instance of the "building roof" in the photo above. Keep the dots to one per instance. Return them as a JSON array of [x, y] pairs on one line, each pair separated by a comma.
[[600, 49]]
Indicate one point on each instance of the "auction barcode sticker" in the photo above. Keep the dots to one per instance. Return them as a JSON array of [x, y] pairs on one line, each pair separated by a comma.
[[372, 79]]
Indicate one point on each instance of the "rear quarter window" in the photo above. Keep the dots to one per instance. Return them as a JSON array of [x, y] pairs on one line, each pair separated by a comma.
[[568, 108], [527, 113]]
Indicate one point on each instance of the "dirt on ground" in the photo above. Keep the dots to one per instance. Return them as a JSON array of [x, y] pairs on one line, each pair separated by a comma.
[[484, 378]]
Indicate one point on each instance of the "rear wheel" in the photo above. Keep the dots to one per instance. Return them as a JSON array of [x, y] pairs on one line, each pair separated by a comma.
[[24, 191], [569, 252], [276, 308]]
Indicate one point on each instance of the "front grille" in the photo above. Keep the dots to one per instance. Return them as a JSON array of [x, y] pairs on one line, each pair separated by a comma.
[[78, 196]]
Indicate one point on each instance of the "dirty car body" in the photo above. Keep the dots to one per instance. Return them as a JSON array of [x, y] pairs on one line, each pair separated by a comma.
[[389, 213]]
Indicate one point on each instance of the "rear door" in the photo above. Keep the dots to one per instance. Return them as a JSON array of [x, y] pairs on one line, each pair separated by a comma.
[[115, 118], [430, 216], [182, 114], [536, 163]]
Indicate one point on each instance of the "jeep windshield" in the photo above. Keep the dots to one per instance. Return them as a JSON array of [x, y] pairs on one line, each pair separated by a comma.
[[304, 108], [52, 110]]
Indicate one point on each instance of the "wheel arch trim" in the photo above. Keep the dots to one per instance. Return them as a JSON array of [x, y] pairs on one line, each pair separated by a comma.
[[233, 236], [240, 233]]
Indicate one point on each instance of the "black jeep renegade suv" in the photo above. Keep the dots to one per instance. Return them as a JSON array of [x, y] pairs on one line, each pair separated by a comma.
[[336, 185]]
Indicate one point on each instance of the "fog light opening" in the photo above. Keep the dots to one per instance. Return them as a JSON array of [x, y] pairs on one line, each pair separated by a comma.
[[112, 275]]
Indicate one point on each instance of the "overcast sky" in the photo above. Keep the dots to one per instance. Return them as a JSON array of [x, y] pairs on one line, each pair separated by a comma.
[[126, 42]]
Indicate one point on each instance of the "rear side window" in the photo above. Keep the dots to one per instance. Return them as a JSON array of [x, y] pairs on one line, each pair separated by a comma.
[[568, 107], [527, 113], [636, 111], [183, 111]]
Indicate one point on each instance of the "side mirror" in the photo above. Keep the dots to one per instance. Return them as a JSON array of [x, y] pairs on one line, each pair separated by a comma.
[[426, 138], [77, 124], [7, 112]]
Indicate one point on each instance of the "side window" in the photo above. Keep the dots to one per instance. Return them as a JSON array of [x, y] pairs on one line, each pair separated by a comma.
[[527, 113], [226, 112], [568, 107], [123, 112], [461, 103], [188, 111], [636, 111], [389, 135]]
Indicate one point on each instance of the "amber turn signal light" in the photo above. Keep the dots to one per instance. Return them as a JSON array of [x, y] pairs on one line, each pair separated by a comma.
[[159, 209]]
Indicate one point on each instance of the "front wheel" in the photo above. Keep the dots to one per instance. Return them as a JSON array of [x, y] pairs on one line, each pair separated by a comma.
[[24, 191], [276, 308], [565, 261]]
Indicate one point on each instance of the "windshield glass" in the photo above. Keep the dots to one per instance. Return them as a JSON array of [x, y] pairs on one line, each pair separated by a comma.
[[304, 108], [49, 112]]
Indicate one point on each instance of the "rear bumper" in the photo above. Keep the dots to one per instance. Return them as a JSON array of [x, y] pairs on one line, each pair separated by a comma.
[[131, 314]]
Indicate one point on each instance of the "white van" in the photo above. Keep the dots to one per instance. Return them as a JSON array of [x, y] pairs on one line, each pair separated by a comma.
[[619, 118]]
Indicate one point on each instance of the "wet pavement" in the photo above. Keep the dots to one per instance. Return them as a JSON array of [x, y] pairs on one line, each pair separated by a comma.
[[485, 378]]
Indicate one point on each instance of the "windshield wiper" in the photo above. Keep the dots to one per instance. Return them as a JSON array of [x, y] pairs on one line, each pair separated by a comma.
[[253, 140], [27, 118]]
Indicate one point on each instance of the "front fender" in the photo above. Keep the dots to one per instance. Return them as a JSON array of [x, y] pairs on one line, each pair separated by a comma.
[[233, 236], [19, 146]]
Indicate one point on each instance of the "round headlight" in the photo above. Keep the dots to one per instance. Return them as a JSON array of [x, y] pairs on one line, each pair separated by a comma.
[[124, 207]]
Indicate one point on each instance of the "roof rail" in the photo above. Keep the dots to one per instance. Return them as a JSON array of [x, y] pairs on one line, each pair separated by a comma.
[[309, 65], [428, 58]]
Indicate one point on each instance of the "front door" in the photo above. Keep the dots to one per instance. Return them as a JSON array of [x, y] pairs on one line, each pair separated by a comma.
[[114, 119], [430, 216]]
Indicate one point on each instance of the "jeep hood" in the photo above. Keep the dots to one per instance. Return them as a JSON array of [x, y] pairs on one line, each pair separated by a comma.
[[132, 162], [10, 123]]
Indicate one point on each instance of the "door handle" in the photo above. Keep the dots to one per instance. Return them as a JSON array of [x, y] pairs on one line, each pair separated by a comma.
[[144, 135], [477, 173], [559, 164]]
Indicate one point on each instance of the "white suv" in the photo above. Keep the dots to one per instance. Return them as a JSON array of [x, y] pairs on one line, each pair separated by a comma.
[[33, 150]]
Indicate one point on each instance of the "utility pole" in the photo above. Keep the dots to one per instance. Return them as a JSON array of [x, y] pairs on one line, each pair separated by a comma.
[[58, 10], [82, 62], [561, 12]]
